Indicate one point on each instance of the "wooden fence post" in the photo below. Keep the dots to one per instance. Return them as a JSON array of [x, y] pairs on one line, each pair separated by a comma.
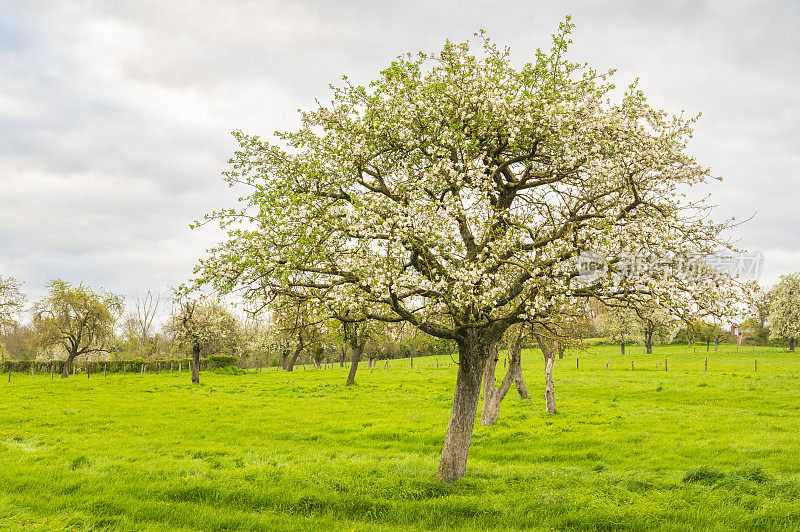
[[577, 363], [88, 369], [756, 366], [608, 361], [665, 364], [631, 365], [705, 364]]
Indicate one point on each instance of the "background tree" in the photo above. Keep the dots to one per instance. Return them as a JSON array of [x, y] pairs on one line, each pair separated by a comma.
[[199, 323], [622, 326], [707, 331], [76, 318], [144, 315], [296, 318], [655, 324], [12, 301], [784, 316], [456, 193]]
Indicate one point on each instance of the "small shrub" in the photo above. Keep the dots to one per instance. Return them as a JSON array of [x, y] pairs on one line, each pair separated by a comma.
[[704, 474]]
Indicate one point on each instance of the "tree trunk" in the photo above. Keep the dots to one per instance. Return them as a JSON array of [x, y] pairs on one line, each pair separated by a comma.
[[622, 348], [515, 363], [492, 397], [354, 360], [68, 365], [560, 350], [708, 346], [648, 341], [550, 387], [293, 360], [196, 363], [473, 353], [342, 355], [791, 345], [548, 351]]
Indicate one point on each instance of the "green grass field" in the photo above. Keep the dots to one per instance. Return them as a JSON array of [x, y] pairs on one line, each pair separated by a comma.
[[643, 449]]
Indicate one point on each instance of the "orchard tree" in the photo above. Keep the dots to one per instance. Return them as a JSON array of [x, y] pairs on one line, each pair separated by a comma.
[[12, 300], [200, 323], [784, 316], [621, 326], [707, 331], [76, 318], [655, 324], [456, 192]]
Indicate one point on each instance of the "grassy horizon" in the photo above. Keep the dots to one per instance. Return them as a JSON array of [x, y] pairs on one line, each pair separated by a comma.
[[644, 449]]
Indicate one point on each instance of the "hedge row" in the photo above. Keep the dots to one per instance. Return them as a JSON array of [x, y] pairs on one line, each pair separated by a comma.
[[119, 366]]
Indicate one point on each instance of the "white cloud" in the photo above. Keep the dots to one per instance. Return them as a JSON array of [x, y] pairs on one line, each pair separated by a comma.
[[114, 116]]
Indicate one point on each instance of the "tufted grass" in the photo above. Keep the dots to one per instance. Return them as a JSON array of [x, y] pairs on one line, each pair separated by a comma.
[[638, 450]]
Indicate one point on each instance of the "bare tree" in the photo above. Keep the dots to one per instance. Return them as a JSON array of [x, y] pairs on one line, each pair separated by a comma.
[[146, 309]]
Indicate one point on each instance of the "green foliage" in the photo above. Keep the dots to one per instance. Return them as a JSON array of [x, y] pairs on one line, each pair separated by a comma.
[[784, 316], [221, 361]]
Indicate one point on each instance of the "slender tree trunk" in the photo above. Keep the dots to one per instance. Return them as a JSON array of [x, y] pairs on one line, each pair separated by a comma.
[[492, 397], [560, 350], [550, 387], [622, 348], [548, 351], [473, 353], [716, 344], [515, 363], [68, 365], [354, 360], [196, 363], [708, 346]]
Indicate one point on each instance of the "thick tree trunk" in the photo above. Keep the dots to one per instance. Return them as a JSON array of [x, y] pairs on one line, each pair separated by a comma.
[[622, 348], [293, 360], [68, 365], [473, 353], [648, 341], [791, 345], [196, 363], [299, 349], [355, 359]]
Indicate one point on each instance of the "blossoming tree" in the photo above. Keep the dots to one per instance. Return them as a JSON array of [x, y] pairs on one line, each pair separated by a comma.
[[784, 316], [456, 192]]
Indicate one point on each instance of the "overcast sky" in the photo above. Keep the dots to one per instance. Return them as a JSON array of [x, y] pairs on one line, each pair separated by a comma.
[[115, 117]]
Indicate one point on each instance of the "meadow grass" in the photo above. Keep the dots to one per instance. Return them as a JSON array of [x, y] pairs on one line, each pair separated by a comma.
[[646, 449]]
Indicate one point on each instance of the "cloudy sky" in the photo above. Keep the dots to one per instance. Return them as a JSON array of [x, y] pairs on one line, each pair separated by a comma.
[[115, 116]]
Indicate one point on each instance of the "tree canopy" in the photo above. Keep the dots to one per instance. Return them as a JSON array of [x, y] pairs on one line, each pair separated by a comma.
[[76, 318], [784, 316], [458, 191]]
